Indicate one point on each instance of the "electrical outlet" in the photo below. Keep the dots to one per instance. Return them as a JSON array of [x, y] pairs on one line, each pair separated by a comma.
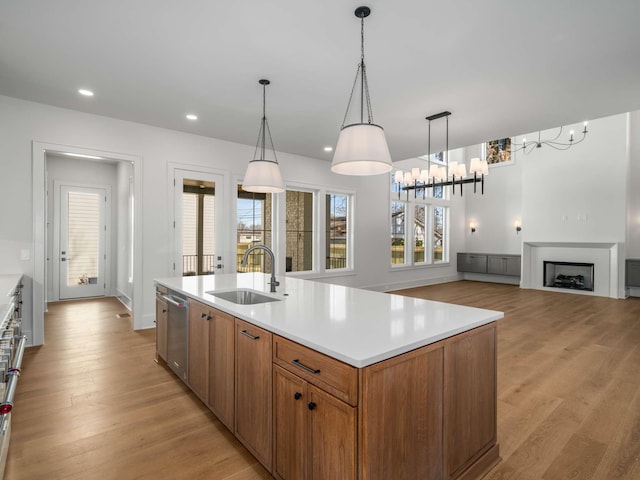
[[25, 254]]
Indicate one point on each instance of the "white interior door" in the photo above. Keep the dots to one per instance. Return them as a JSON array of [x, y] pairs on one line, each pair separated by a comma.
[[198, 223], [83, 232]]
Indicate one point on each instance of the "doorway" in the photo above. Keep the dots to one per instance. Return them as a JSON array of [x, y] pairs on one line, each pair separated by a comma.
[[83, 229], [198, 213], [128, 282]]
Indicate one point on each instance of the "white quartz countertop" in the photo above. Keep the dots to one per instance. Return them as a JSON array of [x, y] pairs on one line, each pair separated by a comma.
[[358, 327]]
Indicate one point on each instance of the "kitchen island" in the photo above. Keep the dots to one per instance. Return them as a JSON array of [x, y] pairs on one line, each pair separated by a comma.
[[326, 381]]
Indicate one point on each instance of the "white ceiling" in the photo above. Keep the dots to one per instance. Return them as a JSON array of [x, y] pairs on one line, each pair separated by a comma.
[[502, 67]]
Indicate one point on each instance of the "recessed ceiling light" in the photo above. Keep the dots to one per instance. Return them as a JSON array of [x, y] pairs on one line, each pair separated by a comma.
[[85, 92], [191, 116], [80, 155], [328, 149]]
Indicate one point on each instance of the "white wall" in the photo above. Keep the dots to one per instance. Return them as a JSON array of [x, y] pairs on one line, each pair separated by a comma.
[[86, 172], [633, 188], [495, 212], [578, 194], [23, 122], [123, 245]]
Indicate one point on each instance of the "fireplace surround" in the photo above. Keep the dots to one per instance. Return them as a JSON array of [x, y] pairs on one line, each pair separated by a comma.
[[608, 260]]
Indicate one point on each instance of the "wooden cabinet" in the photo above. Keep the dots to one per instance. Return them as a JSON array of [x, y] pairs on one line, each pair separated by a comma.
[[429, 413], [470, 402], [315, 434], [211, 359], [162, 317], [221, 367], [253, 399], [198, 378], [402, 416]]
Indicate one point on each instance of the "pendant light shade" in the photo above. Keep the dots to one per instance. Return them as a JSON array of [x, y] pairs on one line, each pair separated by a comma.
[[362, 147], [262, 175], [361, 150]]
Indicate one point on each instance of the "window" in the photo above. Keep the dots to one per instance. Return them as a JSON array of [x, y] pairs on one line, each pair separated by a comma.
[[427, 241], [419, 231], [439, 219], [254, 217], [337, 231], [198, 226], [397, 233], [299, 231]]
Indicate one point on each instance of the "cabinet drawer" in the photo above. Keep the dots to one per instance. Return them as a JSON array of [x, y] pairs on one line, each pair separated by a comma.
[[337, 378]]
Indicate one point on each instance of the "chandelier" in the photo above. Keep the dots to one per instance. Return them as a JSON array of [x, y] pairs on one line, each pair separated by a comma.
[[528, 147], [447, 174], [362, 147]]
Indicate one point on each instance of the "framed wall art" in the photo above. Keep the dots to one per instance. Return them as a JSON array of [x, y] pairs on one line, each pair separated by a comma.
[[498, 152]]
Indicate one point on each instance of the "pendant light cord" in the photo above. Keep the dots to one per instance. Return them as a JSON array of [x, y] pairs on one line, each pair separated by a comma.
[[264, 131], [361, 71]]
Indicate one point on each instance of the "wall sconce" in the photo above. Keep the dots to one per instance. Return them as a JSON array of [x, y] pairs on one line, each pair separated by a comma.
[[473, 227], [518, 227]]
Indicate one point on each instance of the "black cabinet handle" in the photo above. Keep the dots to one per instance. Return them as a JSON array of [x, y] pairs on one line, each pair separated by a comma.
[[164, 310], [297, 395], [298, 364], [208, 317], [203, 315], [247, 334], [312, 405]]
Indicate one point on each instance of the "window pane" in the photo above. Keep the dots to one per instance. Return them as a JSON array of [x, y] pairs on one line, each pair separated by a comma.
[[439, 219], [299, 232], [336, 235], [397, 232], [418, 234], [254, 214], [83, 234], [198, 227]]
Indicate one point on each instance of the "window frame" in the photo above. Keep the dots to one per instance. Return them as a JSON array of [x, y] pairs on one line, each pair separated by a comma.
[[430, 203], [349, 236]]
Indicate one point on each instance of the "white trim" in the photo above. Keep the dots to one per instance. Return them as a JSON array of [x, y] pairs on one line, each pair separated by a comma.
[[177, 175], [38, 158]]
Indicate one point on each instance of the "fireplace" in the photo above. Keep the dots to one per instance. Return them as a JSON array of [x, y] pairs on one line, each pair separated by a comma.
[[570, 275]]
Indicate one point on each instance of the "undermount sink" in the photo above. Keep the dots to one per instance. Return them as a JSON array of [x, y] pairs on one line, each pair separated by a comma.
[[244, 297]]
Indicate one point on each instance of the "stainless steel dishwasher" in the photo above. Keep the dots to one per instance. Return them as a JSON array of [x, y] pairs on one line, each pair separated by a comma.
[[177, 333]]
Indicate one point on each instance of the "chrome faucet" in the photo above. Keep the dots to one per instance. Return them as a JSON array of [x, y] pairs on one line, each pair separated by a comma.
[[273, 282]]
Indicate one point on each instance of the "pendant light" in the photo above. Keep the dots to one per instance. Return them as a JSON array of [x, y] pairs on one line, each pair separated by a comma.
[[262, 175], [362, 147]]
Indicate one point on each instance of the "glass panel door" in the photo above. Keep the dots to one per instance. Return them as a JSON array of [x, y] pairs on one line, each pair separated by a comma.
[[82, 242]]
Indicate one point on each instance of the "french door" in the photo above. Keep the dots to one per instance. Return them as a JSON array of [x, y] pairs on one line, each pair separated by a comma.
[[83, 233], [198, 220]]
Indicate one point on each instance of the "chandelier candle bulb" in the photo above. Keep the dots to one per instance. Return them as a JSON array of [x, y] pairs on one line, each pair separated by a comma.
[[415, 173], [453, 169], [407, 178], [398, 176]]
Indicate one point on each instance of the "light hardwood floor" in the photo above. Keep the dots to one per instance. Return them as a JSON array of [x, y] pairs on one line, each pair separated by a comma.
[[92, 403]]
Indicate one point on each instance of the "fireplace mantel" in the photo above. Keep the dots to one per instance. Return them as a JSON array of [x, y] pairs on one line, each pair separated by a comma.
[[606, 257]]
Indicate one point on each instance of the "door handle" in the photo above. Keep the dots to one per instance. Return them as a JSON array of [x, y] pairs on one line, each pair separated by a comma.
[[63, 259]]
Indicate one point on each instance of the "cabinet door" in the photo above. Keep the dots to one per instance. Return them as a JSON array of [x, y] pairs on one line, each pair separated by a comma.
[[221, 369], [496, 265], [290, 426], [469, 262], [162, 313], [470, 402], [199, 318], [332, 437], [512, 266], [253, 390]]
